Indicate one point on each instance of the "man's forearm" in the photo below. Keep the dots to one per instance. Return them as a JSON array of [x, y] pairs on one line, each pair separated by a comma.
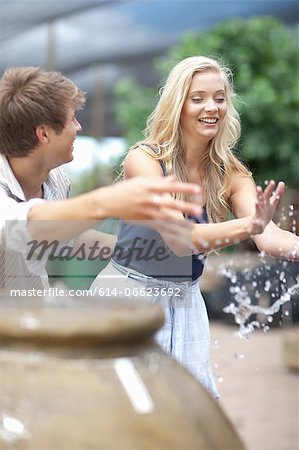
[[64, 219]]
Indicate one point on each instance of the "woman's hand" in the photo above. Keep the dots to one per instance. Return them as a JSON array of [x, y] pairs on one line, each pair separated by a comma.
[[265, 206]]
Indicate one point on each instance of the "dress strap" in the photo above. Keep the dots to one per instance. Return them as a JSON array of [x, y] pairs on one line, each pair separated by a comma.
[[162, 164]]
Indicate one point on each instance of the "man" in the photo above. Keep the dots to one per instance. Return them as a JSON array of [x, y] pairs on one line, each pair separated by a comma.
[[38, 127]]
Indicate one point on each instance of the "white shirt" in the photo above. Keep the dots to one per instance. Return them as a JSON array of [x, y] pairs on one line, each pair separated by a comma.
[[15, 271]]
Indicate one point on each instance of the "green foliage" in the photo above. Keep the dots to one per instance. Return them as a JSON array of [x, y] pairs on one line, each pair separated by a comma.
[[134, 104], [263, 54], [76, 273]]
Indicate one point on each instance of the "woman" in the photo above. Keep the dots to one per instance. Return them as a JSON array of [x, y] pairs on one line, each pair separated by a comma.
[[192, 133]]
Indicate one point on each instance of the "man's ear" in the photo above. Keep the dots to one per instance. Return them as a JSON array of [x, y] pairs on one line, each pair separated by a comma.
[[42, 133]]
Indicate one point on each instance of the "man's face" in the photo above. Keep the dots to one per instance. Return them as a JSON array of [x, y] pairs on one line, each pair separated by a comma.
[[62, 144]]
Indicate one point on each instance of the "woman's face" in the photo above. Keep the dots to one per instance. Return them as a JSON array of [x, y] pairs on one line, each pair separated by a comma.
[[205, 107]]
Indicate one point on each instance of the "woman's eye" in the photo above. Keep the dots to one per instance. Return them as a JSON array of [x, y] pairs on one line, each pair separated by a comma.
[[197, 99], [220, 99]]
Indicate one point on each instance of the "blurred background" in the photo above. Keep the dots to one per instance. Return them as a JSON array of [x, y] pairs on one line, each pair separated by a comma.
[[120, 52]]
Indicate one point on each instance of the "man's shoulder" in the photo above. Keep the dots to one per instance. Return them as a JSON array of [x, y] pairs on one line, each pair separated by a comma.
[[60, 172], [59, 182]]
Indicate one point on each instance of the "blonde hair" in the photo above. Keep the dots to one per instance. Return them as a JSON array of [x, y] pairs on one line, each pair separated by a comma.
[[163, 131]]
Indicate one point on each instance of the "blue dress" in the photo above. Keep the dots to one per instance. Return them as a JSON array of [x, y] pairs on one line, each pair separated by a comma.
[[170, 281]]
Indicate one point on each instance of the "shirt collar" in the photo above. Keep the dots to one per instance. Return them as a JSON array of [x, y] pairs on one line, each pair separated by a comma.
[[50, 186], [8, 179]]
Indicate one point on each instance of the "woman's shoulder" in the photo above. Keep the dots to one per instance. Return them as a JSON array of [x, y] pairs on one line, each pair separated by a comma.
[[146, 148], [239, 179], [142, 151], [141, 158]]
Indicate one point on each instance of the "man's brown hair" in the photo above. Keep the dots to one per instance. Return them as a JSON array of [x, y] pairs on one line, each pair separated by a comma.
[[30, 97]]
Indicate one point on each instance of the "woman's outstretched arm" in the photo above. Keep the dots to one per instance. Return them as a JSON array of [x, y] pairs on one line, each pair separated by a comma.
[[273, 240], [260, 209]]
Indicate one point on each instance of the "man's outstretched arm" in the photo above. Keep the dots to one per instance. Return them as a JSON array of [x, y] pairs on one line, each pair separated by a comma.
[[135, 199]]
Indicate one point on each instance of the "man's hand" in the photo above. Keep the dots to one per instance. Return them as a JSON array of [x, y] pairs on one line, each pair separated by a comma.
[[142, 198], [138, 198]]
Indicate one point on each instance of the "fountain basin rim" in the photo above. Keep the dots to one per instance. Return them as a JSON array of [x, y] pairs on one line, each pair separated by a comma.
[[119, 322]]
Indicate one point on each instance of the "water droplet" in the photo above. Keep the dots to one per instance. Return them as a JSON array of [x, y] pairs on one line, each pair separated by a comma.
[[267, 286], [266, 328], [281, 276], [287, 313], [220, 379], [270, 319], [239, 355]]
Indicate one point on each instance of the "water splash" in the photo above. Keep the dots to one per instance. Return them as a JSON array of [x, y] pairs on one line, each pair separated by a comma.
[[259, 287], [242, 310]]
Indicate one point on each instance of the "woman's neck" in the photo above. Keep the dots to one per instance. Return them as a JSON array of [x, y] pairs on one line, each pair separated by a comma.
[[194, 152]]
